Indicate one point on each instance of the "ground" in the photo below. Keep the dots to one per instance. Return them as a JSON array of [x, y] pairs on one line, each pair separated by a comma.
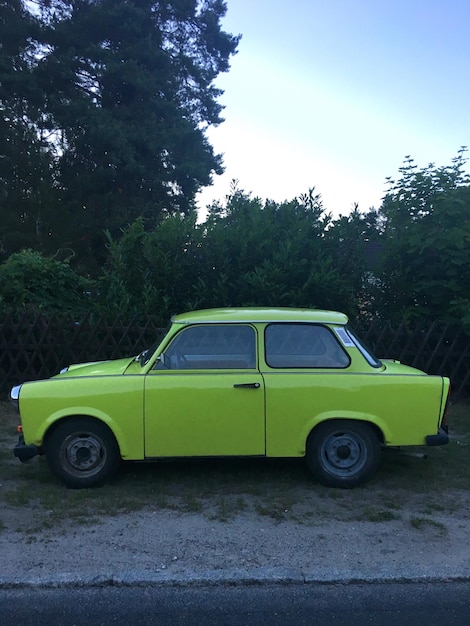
[[191, 519]]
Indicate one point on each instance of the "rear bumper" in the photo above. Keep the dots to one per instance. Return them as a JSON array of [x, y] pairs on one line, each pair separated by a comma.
[[441, 439], [23, 452]]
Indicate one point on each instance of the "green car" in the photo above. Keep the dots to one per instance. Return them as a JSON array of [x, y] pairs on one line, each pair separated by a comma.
[[234, 382]]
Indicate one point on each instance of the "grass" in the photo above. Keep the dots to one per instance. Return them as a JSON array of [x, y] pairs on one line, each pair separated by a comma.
[[421, 523], [376, 514], [32, 499]]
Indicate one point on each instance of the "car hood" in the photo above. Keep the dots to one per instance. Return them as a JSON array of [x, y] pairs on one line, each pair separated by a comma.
[[99, 368], [395, 367]]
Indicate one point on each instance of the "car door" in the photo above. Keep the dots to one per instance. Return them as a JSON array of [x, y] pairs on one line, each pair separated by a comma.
[[307, 377], [205, 397]]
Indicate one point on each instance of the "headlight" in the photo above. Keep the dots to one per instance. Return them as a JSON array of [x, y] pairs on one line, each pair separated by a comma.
[[64, 370], [15, 395]]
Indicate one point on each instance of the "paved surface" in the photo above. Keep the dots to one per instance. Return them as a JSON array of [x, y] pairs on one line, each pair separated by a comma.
[[387, 604], [167, 547]]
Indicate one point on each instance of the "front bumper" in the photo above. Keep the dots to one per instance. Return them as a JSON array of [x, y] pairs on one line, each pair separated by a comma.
[[441, 439], [23, 452]]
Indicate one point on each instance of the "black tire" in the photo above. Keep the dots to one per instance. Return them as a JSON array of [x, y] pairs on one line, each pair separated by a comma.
[[343, 453], [82, 452]]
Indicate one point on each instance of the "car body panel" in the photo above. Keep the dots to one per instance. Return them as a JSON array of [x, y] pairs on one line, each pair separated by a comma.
[[116, 400], [99, 368], [259, 315], [203, 414], [405, 409]]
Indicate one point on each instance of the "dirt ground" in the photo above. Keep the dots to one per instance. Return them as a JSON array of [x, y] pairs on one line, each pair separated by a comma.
[[230, 522], [162, 545]]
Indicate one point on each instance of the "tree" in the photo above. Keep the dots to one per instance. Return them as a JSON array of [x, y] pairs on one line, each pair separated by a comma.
[[425, 268], [247, 253], [127, 92], [153, 272], [354, 242], [268, 253], [26, 168]]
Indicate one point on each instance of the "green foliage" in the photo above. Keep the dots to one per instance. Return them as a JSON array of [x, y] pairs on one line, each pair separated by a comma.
[[103, 116], [264, 251], [151, 272], [104, 107], [247, 253], [408, 261], [31, 282], [353, 241], [26, 169], [425, 268]]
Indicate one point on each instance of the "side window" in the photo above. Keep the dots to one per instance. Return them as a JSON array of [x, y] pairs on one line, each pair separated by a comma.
[[303, 345], [211, 347]]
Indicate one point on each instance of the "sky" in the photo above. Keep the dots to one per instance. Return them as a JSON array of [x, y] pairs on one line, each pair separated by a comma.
[[333, 94]]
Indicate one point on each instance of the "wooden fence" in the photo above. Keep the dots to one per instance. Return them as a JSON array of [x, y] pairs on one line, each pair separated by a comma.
[[39, 346], [436, 349]]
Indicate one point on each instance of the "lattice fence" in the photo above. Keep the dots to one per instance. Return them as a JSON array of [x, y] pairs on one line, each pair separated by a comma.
[[436, 349], [38, 347]]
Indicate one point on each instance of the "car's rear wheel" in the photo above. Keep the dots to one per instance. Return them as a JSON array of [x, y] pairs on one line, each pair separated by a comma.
[[82, 452], [343, 453]]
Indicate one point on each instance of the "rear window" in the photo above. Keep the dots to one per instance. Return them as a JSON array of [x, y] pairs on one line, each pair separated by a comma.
[[303, 346]]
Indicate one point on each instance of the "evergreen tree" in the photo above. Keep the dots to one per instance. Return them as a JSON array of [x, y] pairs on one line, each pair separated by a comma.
[[26, 169], [125, 92]]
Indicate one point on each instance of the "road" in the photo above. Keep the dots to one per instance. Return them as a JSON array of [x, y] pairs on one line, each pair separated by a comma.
[[387, 604]]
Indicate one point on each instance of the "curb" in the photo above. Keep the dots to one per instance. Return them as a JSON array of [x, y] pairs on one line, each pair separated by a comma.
[[216, 578]]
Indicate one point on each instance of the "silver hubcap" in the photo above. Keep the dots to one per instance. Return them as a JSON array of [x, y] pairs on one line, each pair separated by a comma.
[[343, 454], [83, 454]]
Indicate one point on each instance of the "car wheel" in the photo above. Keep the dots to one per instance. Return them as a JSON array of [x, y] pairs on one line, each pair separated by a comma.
[[343, 453], [82, 452]]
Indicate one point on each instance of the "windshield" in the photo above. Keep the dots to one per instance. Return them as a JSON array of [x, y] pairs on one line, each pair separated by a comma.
[[364, 350]]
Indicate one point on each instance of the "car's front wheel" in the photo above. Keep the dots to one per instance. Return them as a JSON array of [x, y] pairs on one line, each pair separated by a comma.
[[343, 453], [82, 452]]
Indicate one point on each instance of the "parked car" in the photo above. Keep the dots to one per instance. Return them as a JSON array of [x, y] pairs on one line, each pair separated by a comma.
[[234, 382]]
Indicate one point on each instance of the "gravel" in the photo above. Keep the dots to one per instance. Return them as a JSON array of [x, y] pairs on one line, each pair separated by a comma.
[[170, 547]]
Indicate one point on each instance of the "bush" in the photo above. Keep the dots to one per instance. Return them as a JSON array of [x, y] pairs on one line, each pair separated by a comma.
[[30, 281]]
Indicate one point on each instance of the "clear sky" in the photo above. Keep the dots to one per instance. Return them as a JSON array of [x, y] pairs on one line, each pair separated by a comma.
[[333, 94]]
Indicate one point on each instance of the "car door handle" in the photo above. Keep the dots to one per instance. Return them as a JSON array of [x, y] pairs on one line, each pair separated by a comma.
[[247, 386]]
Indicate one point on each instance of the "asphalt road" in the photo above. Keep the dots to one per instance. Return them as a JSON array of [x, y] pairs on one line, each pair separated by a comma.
[[387, 604]]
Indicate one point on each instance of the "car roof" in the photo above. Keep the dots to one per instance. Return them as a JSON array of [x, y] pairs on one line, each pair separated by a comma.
[[260, 314]]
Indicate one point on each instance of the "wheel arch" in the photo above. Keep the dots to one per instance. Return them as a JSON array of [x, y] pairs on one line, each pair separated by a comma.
[[53, 424], [82, 452], [370, 420], [346, 455]]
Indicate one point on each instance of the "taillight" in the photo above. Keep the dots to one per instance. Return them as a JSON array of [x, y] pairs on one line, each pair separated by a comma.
[[444, 424]]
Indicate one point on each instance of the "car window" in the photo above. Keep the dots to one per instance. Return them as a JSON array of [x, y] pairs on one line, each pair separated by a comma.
[[364, 349], [303, 345], [229, 346]]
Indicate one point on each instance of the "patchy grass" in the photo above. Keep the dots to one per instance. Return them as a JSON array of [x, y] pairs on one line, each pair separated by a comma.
[[421, 523], [32, 499], [375, 514], [225, 509]]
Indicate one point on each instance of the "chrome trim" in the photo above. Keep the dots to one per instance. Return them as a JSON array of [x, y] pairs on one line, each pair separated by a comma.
[[15, 396], [335, 372]]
